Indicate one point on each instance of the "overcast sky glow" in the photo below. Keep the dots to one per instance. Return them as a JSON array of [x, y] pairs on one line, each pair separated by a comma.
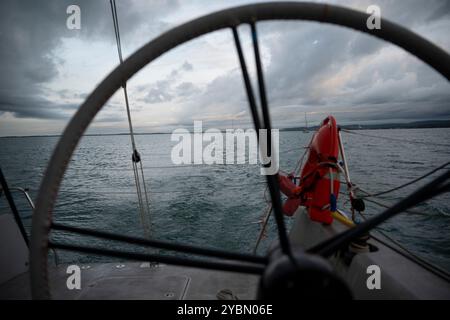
[[47, 70]]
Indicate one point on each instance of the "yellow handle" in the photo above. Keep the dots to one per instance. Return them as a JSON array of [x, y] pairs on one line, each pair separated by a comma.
[[339, 217]]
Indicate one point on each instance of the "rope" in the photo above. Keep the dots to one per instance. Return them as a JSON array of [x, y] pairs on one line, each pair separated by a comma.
[[385, 205], [264, 222], [409, 254], [268, 210], [368, 194], [144, 207], [299, 164], [396, 139], [232, 187], [432, 189], [406, 184]]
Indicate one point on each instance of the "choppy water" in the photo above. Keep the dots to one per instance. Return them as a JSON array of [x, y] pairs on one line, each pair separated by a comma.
[[218, 205]]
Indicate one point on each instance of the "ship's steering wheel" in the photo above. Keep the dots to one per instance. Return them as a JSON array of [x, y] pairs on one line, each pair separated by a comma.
[[283, 268]]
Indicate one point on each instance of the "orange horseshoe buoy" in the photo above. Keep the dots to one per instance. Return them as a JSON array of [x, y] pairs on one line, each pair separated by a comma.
[[318, 189]]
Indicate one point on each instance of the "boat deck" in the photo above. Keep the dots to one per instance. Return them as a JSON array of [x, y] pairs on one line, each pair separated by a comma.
[[134, 280], [401, 276], [118, 280]]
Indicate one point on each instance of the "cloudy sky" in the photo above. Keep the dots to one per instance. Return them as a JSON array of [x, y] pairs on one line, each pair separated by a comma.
[[47, 70]]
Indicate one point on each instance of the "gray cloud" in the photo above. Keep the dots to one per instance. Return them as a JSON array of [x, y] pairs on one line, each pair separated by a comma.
[[32, 30], [186, 89], [35, 107], [303, 57], [169, 88], [187, 66], [441, 11]]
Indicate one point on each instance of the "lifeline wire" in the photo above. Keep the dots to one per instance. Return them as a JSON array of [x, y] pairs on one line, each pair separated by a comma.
[[395, 139]]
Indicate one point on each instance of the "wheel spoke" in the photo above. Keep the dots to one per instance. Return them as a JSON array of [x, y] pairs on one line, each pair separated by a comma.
[[161, 244], [262, 88], [271, 179], [247, 83], [204, 264]]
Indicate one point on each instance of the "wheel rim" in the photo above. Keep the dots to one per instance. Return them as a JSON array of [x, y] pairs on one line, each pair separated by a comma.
[[42, 218]]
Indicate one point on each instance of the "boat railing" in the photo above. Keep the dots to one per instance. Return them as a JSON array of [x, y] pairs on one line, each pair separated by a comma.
[[24, 191], [30, 202]]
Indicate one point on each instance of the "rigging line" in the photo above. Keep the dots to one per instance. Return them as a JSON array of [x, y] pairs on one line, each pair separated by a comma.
[[135, 155], [385, 205], [116, 29], [130, 124], [405, 184], [145, 190], [266, 217], [235, 187], [299, 164], [269, 208], [294, 149], [141, 204], [124, 85], [430, 190], [396, 139], [200, 166], [436, 270]]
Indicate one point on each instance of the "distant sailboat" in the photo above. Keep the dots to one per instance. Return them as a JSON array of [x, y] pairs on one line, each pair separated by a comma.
[[305, 129]]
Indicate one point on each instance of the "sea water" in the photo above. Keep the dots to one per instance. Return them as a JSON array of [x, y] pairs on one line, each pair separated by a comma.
[[219, 206]]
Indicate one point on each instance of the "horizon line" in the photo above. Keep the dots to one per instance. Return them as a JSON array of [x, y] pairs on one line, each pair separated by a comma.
[[396, 125]]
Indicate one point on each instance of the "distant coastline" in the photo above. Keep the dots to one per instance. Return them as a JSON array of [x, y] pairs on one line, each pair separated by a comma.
[[428, 124]]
